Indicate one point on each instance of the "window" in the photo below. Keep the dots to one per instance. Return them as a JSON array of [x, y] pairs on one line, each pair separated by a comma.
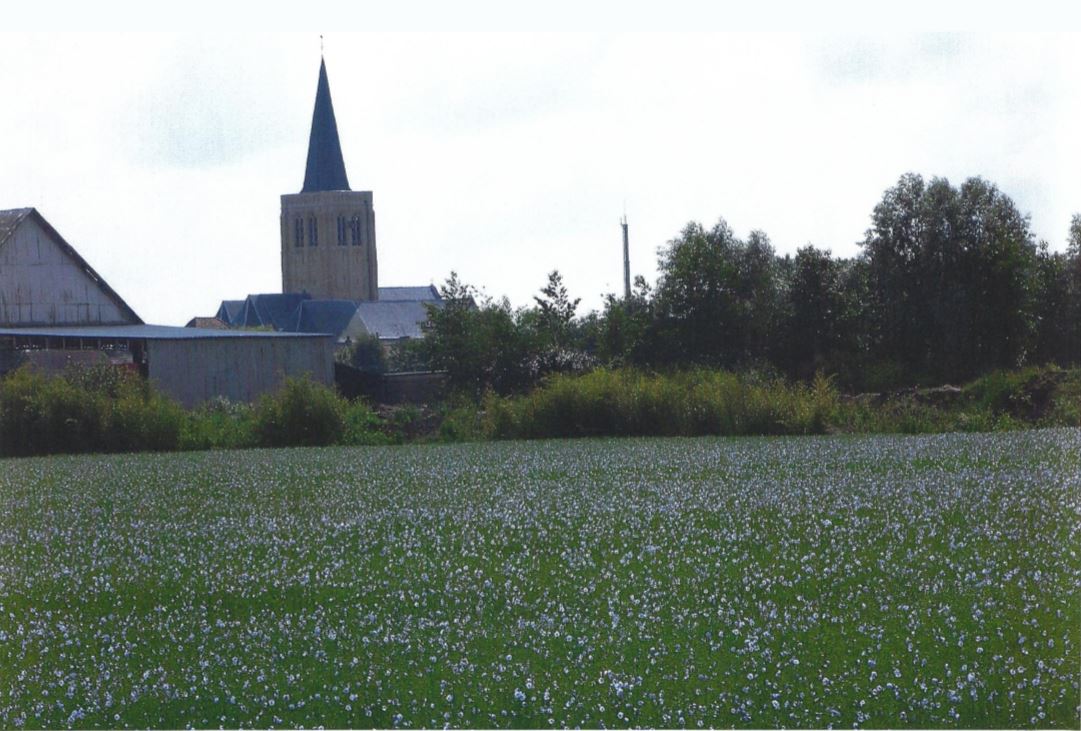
[[341, 231], [313, 232], [298, 232], [354, 228]]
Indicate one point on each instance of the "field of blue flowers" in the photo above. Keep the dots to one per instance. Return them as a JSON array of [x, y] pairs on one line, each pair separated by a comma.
[[799, 581]]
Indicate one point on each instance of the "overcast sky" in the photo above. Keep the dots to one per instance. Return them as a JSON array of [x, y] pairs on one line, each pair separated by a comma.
[[161, 158]]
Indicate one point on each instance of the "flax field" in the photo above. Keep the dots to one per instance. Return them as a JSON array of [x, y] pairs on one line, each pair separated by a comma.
[[762, 582]]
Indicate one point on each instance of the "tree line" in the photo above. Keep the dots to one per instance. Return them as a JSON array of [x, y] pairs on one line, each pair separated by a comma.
[[950, 283]]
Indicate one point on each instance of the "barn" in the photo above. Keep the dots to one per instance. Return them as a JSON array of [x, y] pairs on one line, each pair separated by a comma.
[[55, 309]]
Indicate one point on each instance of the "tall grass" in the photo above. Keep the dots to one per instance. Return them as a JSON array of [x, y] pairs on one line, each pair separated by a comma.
[[628, 402]]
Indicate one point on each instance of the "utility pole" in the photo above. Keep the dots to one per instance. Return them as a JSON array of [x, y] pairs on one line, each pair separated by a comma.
[[626, 259]]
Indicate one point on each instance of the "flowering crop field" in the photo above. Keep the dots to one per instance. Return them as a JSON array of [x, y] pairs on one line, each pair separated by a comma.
[[818, 581]]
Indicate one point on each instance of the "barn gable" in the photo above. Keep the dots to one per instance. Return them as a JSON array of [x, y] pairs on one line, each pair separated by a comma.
[[44, 281]]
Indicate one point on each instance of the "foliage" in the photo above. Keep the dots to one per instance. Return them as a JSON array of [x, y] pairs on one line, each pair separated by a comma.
[[555, 311], [718, 298], [219, 424], [366, 353], [407, 355], [625, 331], [629, 402], [96, 409], [952, 273], [301, 413], [363, 426], [483, 344]]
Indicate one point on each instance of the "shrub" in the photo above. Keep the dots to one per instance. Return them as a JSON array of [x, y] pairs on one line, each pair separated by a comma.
[[362, 425], [301, 413], [219, 424], [97, 409], [366, 354]]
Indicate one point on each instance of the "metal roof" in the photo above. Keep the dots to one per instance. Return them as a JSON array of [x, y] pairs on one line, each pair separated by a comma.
[[326, 168], [408, 294], [145, 332]]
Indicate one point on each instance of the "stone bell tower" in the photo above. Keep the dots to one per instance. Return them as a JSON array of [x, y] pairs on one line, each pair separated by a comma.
[[328, 230]]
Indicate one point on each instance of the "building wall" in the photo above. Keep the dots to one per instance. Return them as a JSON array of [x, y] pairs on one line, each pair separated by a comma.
[[41, 285], [327, 268], [239, 369]]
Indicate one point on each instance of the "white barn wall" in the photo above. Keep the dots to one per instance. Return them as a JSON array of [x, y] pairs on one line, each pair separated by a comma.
[[41, 285]]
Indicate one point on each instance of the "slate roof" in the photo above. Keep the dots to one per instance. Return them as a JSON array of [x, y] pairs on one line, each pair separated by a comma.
[[326, 168], [323, 316], [402, 294], [229, 311], [399, 313], [10, 220], [275, 311], [393, 320]]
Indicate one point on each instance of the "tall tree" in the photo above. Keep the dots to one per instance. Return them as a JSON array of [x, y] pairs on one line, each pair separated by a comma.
[[717, 298], [952, 274], [555, 310], [819, 325]]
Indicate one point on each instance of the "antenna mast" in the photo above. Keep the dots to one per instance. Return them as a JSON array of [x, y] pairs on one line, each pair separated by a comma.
[[626, 259]]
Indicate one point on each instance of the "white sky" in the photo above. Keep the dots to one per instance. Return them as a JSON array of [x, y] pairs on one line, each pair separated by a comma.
[[161, 158]]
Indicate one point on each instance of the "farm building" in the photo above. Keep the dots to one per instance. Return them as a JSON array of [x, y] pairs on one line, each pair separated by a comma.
[[55, 309]]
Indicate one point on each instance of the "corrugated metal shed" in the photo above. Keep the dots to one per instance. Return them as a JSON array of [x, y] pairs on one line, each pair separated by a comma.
[[193, 365]]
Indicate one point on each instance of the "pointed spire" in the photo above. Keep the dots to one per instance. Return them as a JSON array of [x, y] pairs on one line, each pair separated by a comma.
[[326, 168]]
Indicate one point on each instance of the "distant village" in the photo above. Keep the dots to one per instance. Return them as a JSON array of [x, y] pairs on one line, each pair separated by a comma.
[[55, 309]]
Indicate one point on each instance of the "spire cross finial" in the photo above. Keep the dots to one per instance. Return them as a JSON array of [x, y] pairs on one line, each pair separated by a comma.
[[320, 44]]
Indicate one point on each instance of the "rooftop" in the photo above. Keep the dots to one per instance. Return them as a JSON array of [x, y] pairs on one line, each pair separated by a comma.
[[144, 332], [326, 168]]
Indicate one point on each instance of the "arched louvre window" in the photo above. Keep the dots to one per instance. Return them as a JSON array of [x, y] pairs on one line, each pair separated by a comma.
[[341, 231], [313, 232], [354, 229], [298, 232]]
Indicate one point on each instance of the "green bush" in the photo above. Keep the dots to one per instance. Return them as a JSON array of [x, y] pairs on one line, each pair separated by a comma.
[[219, 424], [362, 425], [97, 409], [301, 413]]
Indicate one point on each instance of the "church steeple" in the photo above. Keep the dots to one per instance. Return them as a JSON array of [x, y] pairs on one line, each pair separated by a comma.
[[326, 168]]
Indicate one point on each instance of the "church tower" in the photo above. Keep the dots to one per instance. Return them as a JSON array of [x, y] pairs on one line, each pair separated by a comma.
[[328, 230]]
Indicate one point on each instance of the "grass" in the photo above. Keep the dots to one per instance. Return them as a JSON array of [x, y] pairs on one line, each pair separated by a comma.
[[798, 581]]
